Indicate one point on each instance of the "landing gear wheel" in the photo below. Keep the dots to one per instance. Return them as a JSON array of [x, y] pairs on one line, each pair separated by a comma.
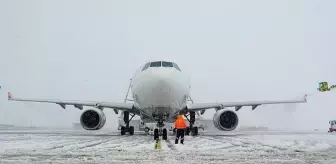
[[191, 128], [156, 134], [164, 134], [127, 128], [131, 130], [187, 131], [122, 130], [147, 130], [195, 131]]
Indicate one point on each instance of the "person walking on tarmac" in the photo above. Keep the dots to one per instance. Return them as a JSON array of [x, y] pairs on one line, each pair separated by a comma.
[[180, 126]]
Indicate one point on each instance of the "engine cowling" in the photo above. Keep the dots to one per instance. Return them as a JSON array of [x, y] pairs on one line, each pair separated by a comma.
[[92, 119], [225, 120]]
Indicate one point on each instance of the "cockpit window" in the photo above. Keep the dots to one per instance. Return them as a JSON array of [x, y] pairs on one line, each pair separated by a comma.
[[176, 66], [155, 64], [146, 66], [161, 64], [333, 122], [167, 64]]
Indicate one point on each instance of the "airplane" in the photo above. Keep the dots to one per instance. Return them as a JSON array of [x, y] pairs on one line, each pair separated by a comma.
[[160, 92]]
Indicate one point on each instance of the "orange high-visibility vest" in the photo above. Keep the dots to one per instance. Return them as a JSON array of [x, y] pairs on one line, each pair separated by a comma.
[[180, 123]]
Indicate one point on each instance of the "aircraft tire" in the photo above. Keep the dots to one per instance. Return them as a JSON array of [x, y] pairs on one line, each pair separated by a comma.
[[195, 131], [131, 130], [122, 130], [147, 130], [187, 131], [156, 134], [164, 134]]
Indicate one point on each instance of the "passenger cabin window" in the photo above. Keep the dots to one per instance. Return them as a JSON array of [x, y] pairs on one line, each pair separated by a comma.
[[155, 64], [167, 64], [146, 66]]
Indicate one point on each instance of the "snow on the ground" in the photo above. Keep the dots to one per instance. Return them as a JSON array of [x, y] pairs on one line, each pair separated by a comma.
[[107, 147]]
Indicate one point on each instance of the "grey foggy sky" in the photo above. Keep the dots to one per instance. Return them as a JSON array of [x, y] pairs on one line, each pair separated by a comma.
[[232, 50]]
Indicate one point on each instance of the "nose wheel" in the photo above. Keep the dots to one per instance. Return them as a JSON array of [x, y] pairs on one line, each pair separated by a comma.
[[160, 131]]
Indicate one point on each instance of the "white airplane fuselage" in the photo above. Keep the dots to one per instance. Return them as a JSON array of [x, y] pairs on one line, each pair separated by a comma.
[[160, 92]]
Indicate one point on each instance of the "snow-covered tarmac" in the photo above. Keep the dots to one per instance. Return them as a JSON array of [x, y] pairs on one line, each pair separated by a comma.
[[70, 146]]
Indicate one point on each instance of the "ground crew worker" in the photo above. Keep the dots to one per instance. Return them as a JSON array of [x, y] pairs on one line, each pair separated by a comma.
[[180, 126]]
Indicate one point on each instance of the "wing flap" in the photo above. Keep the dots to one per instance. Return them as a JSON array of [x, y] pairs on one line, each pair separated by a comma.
[[238, 105], [80, 104]]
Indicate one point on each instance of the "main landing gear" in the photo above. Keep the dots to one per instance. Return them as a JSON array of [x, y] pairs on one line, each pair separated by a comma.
[[127, 128], [160, 131], [193, 129]]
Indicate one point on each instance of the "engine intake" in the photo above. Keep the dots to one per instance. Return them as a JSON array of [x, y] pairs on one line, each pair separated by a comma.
[[92, 119], [225, 120]]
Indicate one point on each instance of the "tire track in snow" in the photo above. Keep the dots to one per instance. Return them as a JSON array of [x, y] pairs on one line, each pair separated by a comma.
[[245, 144], [74, 145], [170, 145], [69, 144], [137, 141], [223, 141], [230, 141], [93, 143], [133, 142], [256, 142]]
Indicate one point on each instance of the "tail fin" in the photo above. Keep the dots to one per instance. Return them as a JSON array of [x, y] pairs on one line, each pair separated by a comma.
[[9, 96]]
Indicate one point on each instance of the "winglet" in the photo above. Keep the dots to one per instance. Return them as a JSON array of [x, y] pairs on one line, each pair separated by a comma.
[[9, 96], [305, 97]]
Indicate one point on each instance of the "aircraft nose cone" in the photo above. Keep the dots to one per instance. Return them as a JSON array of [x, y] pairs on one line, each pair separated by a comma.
[[161, 88], [162, 84]]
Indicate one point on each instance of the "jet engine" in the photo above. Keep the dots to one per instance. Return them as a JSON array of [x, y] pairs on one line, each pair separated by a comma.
[[92, 119], [225, 120]]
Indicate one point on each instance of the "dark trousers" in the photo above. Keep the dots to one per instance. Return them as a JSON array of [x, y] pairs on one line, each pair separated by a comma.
[[179, 133]]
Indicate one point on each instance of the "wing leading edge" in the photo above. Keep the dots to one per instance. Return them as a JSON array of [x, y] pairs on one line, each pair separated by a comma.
[[238, 105], [80, 104]]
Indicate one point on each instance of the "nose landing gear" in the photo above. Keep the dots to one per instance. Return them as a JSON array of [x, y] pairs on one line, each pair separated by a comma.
[[160, 131]]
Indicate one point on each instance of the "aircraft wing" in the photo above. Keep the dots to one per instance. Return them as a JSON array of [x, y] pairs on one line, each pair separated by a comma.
[[79, 104], [254, 104]]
